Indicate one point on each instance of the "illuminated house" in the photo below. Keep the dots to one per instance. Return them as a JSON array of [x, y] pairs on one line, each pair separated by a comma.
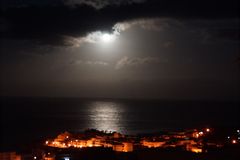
[[63, 136], [48, 156], [152, 144], [180, 135], [10, 156], [194, 148], [186, 142], [123, 147], [117, 135]]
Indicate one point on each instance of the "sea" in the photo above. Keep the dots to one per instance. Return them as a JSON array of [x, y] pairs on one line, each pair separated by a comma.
[[25, 120]]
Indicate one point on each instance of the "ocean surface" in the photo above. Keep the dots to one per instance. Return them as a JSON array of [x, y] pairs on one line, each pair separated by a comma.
[[25, 120]]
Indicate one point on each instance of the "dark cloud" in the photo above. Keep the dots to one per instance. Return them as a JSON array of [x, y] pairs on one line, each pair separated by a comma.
[[50, 24], [232, 34], [99, 4], [218, 29]]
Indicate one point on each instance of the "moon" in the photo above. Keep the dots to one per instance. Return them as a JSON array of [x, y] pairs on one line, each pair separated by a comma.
[[107, 38]]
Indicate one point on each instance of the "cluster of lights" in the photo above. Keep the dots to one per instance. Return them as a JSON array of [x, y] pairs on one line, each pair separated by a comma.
[[70, 144], [234, 141], [79, 144], [201, 133]]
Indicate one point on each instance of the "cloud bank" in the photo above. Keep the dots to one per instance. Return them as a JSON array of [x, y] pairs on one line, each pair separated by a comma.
[[135, 61], [50, 24]]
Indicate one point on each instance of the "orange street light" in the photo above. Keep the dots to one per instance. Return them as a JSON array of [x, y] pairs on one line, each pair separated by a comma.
[[207, 130], [234, 141]]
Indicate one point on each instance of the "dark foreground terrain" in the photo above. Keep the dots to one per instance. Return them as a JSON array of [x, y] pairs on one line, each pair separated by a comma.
[[148, 154]]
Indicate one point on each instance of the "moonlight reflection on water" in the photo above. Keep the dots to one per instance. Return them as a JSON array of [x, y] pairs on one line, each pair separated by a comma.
[[106, 116]]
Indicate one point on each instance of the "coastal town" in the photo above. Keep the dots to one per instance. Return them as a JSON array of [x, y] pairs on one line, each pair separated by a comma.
[[191, 140], [71, 146]]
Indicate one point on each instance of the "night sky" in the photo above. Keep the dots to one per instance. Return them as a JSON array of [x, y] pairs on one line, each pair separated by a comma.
[[165, 49]]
